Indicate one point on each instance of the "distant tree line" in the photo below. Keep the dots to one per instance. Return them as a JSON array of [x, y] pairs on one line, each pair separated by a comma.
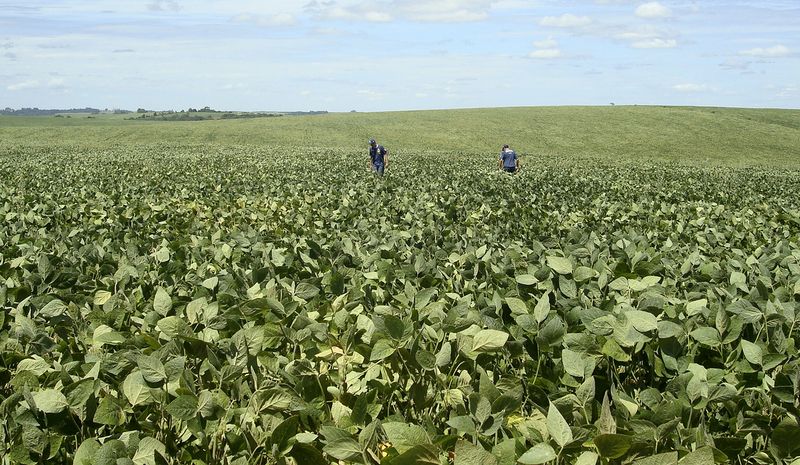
[[39, 112]]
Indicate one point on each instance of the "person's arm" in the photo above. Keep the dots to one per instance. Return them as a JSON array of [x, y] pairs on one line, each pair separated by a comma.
[[500, 162], [386, 159], [517, 160]]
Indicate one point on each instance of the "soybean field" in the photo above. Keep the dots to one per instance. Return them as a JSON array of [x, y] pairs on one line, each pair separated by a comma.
[[247, 292]]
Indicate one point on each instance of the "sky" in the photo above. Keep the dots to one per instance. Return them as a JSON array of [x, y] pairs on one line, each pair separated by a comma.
[[384, 55]]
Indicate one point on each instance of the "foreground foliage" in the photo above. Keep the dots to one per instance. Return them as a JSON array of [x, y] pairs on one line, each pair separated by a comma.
[[250, 305]]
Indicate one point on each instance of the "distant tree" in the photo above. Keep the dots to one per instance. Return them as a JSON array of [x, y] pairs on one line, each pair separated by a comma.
[[141, 110]]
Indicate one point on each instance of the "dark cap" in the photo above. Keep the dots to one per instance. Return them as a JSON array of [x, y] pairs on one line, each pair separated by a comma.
[[505, 146], [371, 141]]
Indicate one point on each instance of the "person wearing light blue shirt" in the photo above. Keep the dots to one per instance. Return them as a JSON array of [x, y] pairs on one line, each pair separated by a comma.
[[509, 161]]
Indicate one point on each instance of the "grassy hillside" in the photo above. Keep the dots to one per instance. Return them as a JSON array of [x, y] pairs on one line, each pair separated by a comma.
[[693, 135]]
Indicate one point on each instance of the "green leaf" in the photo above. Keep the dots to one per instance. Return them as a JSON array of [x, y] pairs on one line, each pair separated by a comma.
[[426, 359], [101, 297], [173, 326], [343, 449], [425, 454], [702, 456], [306, 291], [86, 452], [587, 458], [667, 458], [489, 340], [517, 306], [151, 451], [105, 335], [152, 369], [462, 424], [109, 412], [707, 336], [110, 452], [542, 309], [642, 321], [786, 437], [696, 307], [752, 352], [135, 389], [468, 454], [184, 407], [560, 265], [573, 363], [404, 436], [527, 279], [162, 302], [307, 455], [558, 427], [612, 446], [50, 401], [381, 350], [540, 453]]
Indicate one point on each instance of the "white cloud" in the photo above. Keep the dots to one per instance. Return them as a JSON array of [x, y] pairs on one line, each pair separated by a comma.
[[545, 53], [768, 52], [276, 20], [546, 43], [414, 10], [653, 10], [566, 20], [647, 37], [655, 43], [547, 49], [52, 84], [691, 88]]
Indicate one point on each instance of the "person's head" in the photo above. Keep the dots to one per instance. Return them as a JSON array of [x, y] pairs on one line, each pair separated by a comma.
[[505, 146], [372, 142]]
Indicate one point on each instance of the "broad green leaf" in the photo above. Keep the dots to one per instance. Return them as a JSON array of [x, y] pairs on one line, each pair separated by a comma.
[[343, 449], [527, 279], [101, 297], [105, 335], [702, 456], [184, 407], [558, 427], [667, 458], [707, 336], [152, 369], [587, 458], [110, 452], [151, 451], [85, 453], [696, 307], [573, 363], [420, 455], [540, 453], [517, 306], [162, 302], [542, 309], [642, 321], [489, 340], [50, 401], [612, 446], [135, 389], [468, 454], [560, 265], [752, 352], [405, 436], [381, 350]]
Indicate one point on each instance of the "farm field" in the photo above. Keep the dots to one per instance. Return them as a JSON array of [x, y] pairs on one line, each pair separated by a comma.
[[246, 292]]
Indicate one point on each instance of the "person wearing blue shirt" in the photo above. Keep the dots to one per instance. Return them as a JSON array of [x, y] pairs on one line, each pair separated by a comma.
[[509, 161], [378, 157]]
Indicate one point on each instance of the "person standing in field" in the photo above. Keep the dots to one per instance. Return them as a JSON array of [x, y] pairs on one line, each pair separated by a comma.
[[509, 161], [378, 157]]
